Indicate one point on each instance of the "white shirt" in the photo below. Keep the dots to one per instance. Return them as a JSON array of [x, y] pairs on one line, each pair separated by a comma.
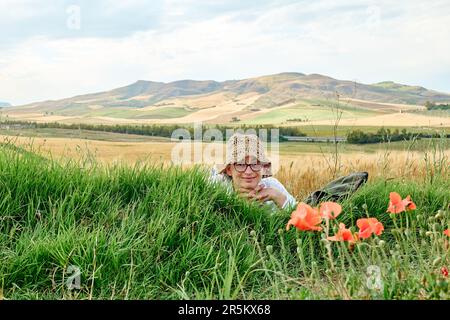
[[269, 182]]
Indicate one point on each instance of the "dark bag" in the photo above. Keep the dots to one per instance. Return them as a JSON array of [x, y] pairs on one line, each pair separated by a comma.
[[338, 189]]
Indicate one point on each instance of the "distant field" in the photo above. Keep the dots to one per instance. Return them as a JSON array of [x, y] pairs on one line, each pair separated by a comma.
[[389, 120], [156, 113], [302, 147], [80, 134], [435, 113], [341, 130], [306, 113]]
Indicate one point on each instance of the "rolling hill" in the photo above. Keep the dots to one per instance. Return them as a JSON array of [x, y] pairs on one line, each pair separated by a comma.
[[278, 98]]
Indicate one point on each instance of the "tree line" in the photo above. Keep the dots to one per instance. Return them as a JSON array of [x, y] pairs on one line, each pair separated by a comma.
[[385, 135], [433, 106], [157, 130]]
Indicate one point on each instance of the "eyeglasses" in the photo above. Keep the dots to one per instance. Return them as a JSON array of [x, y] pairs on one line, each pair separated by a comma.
[[242, 167]]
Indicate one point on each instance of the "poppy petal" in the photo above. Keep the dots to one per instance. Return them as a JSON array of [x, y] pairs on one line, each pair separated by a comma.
[[330, 209]]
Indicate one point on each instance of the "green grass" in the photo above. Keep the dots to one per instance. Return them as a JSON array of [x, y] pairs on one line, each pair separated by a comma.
[[310, 113], [145, 232], [124, 112], [156, 113]]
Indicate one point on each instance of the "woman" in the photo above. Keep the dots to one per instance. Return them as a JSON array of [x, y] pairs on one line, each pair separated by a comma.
[[247, 171]]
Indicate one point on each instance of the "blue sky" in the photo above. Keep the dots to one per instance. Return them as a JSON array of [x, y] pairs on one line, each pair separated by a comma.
[[56, 49]]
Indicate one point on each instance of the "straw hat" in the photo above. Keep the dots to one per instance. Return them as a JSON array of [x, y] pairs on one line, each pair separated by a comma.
[[241, 145]]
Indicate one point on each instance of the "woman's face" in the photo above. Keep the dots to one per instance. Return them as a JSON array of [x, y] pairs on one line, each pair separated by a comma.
[[248, 179]]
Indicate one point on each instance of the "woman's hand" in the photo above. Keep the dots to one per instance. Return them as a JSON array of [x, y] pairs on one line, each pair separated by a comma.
[[263, 194]]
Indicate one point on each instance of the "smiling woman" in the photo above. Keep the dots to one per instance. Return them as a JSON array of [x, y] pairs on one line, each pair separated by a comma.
[[247, 171]]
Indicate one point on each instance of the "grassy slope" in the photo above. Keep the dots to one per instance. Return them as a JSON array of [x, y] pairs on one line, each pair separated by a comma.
[[157, 113], [148, 233], [311, 110]]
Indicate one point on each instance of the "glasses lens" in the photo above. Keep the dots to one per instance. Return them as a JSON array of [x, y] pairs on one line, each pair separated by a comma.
[[256, 167], [240, 167]]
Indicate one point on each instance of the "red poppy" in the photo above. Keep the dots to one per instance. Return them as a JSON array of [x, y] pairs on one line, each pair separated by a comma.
[[330, 210], [447, 232], [444, 271], [409, 205], [397, 205], [344, 234], [367, 226], [305, 218]]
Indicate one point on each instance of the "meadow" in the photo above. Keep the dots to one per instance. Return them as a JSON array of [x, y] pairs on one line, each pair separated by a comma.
[[309, 110], [141, 229]]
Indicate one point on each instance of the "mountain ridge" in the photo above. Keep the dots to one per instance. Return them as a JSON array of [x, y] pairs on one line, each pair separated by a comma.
[[259, 84], [190, 100]]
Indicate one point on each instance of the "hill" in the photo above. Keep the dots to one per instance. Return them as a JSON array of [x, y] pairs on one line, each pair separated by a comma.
[[297, 95]]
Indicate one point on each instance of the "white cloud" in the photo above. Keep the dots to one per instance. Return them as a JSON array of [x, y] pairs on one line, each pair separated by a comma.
[[374, 41], [19, 10]]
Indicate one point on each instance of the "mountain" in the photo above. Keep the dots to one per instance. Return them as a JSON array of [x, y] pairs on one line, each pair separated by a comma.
[[191, 100], [4, 104]]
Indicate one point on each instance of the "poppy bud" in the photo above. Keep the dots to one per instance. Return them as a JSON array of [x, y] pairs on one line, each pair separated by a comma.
[[429, 233], [407, 232], [436, 261], [381, 243], [280, 231], [253, 233], [364, 206], [299, 242], [187, 274], [269, 249]]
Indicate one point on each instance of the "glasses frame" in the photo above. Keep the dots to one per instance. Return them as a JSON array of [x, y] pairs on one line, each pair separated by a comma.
[[249, 165]]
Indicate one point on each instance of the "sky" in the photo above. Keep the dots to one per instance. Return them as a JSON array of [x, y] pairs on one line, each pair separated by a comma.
[[57, 49]]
